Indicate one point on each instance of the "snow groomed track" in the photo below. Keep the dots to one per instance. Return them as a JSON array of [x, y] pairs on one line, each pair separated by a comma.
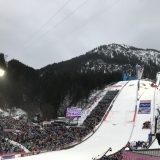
[[155, 144], [121, 117], [114, 132], [146, 94]]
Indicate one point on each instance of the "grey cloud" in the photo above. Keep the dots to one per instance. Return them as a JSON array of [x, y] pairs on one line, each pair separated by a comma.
[[130, 22]]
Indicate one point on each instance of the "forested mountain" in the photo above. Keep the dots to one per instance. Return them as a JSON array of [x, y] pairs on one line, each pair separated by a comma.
[[66, 83], [108, 59]]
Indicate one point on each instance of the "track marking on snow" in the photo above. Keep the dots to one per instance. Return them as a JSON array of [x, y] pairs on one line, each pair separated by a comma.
[[129, 121], [109, 115]]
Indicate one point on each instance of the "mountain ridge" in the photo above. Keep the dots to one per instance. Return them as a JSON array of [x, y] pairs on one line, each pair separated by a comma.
[[107, 58], [49, 87]]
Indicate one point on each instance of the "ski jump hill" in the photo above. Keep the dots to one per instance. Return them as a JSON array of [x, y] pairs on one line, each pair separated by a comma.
[[122, 122]]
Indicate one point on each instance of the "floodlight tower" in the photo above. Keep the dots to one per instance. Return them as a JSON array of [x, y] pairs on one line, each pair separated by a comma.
[[1, 72], [139, 72]]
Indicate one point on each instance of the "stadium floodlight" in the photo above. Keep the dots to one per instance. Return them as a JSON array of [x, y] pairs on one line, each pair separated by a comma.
[[1, 72]]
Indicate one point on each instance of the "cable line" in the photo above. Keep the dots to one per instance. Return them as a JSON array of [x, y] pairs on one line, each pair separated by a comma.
[[43, 25], [78, 26], [56, 25]]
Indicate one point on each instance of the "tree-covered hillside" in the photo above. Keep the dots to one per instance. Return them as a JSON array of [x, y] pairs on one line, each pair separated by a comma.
[[24, 87]]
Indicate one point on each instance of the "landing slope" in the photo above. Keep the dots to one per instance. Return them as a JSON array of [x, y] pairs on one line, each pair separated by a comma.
[[147, 95], [114, 132]]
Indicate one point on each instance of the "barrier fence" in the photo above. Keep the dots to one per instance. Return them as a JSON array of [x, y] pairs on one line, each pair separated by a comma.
[[136, 156]]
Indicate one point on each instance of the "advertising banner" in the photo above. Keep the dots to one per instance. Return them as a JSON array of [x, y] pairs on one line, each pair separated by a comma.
[[8, 157], [144, 107], [73, 112], [12, 130]]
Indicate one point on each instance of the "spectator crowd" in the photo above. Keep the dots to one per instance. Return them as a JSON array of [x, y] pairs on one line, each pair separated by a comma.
[[36, 137], [7, 147]]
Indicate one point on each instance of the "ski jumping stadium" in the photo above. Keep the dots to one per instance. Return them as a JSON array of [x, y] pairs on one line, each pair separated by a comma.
[[137, 102]]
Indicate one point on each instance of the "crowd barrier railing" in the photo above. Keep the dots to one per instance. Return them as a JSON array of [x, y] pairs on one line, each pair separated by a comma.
[[135, 156]]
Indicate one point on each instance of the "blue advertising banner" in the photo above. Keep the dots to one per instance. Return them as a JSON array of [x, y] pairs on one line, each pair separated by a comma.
[[144, 107], [8, 157]]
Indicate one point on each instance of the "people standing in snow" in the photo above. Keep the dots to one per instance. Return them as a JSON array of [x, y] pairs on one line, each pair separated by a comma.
[[146, 124]]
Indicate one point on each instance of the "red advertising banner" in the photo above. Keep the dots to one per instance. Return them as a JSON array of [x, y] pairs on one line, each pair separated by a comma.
[[135, 156], [12, 130]]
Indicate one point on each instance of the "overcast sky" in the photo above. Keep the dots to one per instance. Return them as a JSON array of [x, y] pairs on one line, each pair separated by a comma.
[[42, 32]]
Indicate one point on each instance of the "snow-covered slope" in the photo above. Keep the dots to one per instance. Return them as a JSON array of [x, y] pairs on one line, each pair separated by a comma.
[[146, 93], [114, 132], [116, 57]]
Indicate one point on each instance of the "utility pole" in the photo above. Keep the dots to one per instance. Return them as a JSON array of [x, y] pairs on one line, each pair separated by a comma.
[[5, 57]]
